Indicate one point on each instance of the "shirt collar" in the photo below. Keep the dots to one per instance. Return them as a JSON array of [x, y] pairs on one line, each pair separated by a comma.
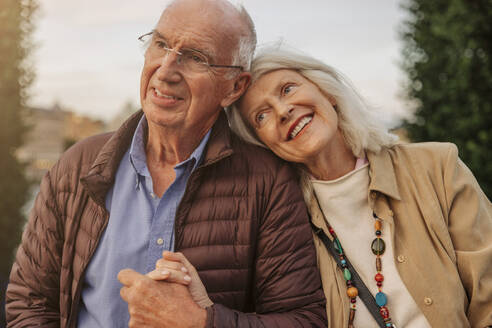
[[382, 174], [138, 158]]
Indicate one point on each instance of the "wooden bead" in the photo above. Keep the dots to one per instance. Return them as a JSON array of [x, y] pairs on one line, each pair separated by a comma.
[[352, 292], [377, 225], [351, 316], [378, 264]]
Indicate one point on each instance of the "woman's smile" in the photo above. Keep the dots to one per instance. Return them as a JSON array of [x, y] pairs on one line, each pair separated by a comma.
[[299, 126]]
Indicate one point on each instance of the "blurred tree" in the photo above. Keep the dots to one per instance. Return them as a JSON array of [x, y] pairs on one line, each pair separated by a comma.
[[447, 58], [16, 74]]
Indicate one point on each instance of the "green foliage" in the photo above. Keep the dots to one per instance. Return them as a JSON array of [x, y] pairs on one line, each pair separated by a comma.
[[448, 60], [16, 75]]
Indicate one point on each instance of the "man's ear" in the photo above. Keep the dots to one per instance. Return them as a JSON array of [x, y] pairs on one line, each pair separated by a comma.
[[241, 83]]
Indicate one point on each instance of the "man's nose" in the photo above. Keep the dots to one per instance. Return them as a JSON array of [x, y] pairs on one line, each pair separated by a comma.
[[169, 69]]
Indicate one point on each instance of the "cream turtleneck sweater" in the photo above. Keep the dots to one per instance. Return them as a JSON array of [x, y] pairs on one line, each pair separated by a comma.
[[345, 205]]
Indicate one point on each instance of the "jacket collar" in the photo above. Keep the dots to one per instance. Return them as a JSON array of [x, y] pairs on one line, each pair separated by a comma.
[[102, 173], [382, 174]]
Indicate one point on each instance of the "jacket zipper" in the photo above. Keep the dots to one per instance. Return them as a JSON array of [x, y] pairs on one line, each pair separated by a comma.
[[78, 292]]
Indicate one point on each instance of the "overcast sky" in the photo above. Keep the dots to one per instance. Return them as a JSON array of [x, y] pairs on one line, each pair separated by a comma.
[[89, 60]]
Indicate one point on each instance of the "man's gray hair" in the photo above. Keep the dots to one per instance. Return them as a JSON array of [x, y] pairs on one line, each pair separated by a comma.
[[247, 42], [359, 126]]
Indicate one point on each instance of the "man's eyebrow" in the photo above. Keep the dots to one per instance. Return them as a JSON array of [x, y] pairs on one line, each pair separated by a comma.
[[159, 35]]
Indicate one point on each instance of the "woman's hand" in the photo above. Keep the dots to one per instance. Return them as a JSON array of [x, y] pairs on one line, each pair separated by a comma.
[[174, 267]]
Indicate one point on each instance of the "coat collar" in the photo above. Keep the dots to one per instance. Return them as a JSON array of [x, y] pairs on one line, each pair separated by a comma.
[[382, 173], [103, 170]]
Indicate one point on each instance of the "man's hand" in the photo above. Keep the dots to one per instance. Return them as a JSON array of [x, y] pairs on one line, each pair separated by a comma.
[[159, 304], [174, 267]]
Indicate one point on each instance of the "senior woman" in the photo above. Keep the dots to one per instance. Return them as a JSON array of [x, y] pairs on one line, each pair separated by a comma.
[[403, 231]]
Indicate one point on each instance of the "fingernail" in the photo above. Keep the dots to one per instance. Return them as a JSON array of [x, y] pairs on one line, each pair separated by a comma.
[[184, 269], [187, 278], [165, 273]]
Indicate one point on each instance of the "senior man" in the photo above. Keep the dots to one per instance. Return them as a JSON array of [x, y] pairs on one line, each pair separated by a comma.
[[172, 178]]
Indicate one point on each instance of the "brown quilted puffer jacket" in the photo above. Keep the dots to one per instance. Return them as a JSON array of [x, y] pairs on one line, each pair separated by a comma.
[[242, 223]]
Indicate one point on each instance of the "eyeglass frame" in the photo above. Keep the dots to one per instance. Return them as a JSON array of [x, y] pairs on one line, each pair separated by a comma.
[[141, 39]]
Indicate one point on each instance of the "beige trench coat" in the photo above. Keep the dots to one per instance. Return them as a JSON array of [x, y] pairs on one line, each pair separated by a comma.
[[441, 227]]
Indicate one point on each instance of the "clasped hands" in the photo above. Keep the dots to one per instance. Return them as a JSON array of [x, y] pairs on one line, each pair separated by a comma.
[[170, 296]]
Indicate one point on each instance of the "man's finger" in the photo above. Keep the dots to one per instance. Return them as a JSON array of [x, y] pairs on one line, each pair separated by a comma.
[[128, 277], [124, 293]]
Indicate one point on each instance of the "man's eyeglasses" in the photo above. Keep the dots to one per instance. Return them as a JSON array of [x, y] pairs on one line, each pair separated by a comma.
[[189, 59]]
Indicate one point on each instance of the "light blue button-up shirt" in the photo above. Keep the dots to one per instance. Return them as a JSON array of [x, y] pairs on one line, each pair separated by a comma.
[[140, 227]]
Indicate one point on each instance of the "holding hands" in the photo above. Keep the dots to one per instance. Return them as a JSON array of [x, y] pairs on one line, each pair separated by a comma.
[[170, 296], [174, 267]]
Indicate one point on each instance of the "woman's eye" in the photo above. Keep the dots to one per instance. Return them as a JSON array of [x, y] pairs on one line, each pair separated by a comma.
[[288, 88], [260, 117]]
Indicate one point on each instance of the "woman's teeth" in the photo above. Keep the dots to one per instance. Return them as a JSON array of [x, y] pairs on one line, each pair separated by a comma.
[[302, 123]]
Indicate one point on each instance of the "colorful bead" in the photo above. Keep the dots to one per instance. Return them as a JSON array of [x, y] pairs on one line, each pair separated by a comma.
[[353, 300], [378, 246], [352, 292], [379, 277], [346, 274], [343, 262], [379, 284], [378, 264], [377, 225], [338, 246], [378, 232], [381, 299], [383, 310], [389, 324], [349, 282]]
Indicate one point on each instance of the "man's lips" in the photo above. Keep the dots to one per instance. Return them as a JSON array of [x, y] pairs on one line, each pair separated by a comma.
[[299, 125], [164, 98]]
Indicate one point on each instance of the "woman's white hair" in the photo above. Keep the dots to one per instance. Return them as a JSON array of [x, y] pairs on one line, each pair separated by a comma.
[[359, 127]]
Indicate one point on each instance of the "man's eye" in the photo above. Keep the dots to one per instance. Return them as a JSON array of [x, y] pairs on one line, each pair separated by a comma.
[[161, 44], [195, 58]]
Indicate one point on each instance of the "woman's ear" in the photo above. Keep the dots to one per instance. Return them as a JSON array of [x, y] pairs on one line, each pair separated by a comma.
[[241, 83]]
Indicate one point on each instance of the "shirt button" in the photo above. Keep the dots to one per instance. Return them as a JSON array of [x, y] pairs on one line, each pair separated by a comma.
[[160, 241], [401, 258], [427, 301]]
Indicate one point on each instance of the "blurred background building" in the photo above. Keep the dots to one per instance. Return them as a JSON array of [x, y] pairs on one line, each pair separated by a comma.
[[51, 131]]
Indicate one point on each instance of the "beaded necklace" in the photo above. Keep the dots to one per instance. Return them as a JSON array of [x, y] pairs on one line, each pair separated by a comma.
[[378, 247]]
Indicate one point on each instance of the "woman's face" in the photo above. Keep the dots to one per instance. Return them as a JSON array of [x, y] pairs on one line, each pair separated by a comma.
[[291, 116]]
